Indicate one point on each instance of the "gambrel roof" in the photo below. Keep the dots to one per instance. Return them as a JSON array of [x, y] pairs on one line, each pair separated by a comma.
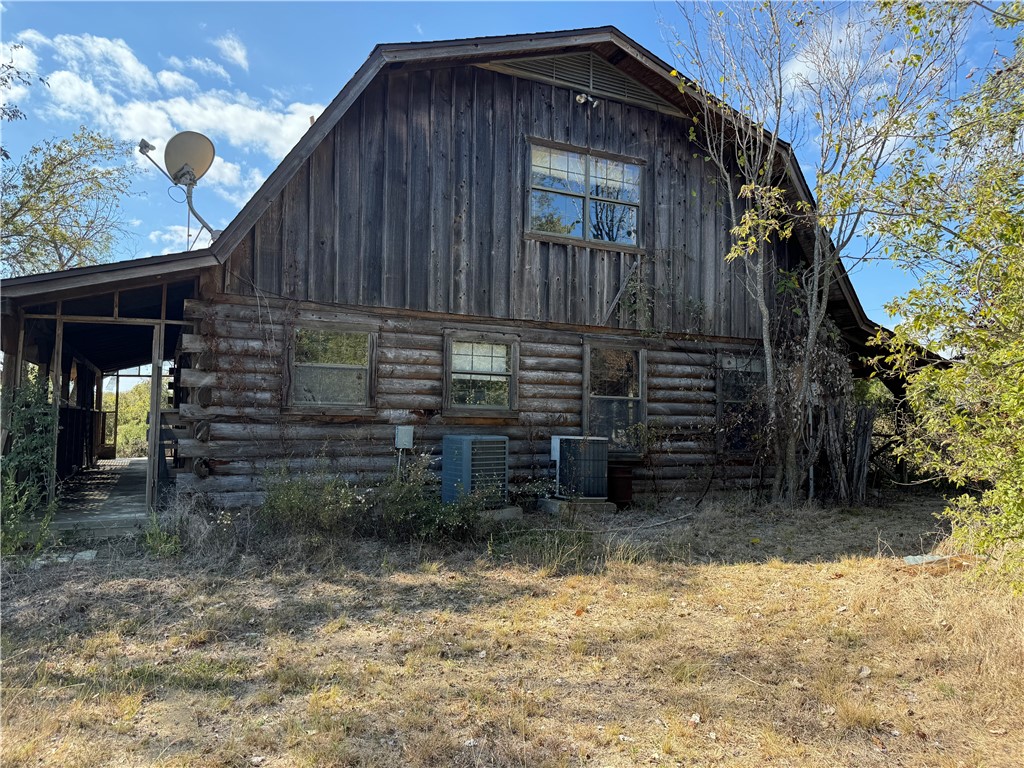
[[602, 59]]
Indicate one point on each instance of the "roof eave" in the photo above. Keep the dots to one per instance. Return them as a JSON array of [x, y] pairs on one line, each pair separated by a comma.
[[117, 271]]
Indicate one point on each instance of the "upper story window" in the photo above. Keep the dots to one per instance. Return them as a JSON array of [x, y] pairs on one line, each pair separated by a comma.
[[574, 194], [331, 368]]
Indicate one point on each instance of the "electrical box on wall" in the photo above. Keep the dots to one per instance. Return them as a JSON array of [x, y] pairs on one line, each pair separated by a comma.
[[403, 437]]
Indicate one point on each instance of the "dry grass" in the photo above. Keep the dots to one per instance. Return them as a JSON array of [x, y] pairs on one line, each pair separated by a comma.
[[736, 638]]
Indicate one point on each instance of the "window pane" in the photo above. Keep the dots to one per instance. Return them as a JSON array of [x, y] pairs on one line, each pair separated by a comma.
[[557, 169], [558, 214], [479, 356], [613, 418], [480, 390], [613, 223], [615, 180], [329, 385], [740, 386], [615, 372], [331, 347]]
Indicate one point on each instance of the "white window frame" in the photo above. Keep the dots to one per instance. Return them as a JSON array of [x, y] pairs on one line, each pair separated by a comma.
[[451, 336]]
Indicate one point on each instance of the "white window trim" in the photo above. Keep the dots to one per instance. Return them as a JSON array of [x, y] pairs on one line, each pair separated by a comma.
[[586, 197], [481, 411]]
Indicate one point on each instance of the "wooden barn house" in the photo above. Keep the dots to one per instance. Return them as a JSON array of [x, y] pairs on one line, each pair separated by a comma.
[[504, 236]]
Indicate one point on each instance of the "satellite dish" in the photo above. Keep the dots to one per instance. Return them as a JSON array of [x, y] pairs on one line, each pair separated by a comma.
[[188, 150]]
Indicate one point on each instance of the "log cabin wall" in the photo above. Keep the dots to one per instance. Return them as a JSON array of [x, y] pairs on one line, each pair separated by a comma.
[[417, 200], [234, 370]]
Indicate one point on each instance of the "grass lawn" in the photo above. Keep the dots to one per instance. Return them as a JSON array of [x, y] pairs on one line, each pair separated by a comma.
[[732, 636]]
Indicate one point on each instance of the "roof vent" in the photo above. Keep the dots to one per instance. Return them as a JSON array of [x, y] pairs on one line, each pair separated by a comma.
[[586, 72]]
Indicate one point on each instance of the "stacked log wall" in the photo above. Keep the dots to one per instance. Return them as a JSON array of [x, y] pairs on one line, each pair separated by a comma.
[[244, 435]]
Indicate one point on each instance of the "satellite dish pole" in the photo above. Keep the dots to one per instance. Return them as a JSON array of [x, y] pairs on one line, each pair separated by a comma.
[[188, 156]]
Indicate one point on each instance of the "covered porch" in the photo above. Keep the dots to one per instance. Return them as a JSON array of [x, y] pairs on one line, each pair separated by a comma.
[[76, 333], [103, 501]]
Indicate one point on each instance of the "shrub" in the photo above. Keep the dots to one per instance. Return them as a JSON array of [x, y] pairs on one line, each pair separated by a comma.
[[402, 507], [158, 540], [408, 506], [310, 503], [27, 468]]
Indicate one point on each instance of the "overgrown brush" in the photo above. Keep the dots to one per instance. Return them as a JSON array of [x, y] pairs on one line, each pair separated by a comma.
[[318, 509], [317, 504], [408, 506], [25, 510]]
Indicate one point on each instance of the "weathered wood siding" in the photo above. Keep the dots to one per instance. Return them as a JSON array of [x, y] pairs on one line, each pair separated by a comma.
[[233, 369], [418, 200]]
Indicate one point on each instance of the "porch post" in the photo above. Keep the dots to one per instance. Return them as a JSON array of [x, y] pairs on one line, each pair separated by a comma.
[[11, 345], [56, 369], [156, 380]]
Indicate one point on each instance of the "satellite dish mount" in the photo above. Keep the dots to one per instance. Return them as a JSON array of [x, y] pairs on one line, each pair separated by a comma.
[[188, 156]]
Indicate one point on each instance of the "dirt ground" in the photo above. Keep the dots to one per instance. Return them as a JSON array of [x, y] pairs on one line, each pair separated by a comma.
[[668, 636]]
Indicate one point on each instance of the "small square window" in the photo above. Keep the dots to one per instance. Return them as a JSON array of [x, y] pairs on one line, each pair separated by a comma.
[[480, 373], [331, 368]]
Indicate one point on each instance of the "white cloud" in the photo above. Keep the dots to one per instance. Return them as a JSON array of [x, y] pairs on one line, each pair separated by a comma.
[[178, 237], [418, 27], [111, 98], [232, 50], [71, 97], [175, 81], [110, 62], [203, 66], [251, 134], [25, 61], [233, 182]]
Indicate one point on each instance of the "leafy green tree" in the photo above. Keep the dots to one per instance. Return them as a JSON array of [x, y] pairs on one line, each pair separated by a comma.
[[132, 421], [771, 81], [953, 211], [60, 204]]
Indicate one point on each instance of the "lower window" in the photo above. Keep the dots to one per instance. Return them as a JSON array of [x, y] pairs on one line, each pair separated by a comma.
[[480, 373], [331, 368], [741, 399], [615, 395]]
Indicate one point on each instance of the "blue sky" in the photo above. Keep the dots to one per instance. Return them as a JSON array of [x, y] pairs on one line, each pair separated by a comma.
[[250, 75]]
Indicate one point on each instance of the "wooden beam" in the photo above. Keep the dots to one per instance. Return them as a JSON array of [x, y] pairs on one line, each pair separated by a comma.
[[152, 466], [108, 320], [11, 335], [55, 373]]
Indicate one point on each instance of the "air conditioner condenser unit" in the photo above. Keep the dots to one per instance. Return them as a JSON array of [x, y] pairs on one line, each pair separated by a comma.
[[474, 464], [581, 466]]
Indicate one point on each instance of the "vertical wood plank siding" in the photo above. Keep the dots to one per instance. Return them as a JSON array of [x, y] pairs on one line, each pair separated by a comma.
[[418, 200], [244, 432]]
